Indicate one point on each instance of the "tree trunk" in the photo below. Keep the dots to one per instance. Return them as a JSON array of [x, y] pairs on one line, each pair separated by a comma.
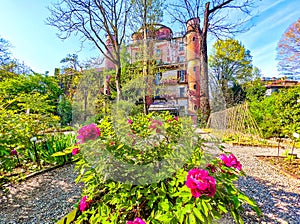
[[145, 56], [204, 92], [85, 95], [118, 83]]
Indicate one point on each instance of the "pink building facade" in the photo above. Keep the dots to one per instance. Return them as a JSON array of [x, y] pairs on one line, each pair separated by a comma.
[[178, 56]]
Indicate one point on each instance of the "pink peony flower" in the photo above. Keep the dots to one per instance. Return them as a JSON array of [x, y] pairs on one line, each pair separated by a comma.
[[84, 204], [176, 118], [75, 151], [13, 152], [89, 132], [231, 161], [201, 183], [129, 121], [136, 221]]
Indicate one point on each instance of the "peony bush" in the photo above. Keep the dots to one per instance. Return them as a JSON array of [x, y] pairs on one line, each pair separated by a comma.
[[185, 186]]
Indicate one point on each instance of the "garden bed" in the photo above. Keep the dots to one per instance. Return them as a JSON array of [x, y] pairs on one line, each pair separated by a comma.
[[290, 167], [22, 173], [256, 145]]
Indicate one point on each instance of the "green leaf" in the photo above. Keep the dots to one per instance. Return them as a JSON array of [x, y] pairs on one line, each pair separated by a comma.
[[163, 187], [192, 219], [198, 214], [251, 202], [164, 205], [59, 154], [68, 218], [205, 208], [236, 201], [187, 208], [119, 146], [237, 216], [222, 208], [165, 218]]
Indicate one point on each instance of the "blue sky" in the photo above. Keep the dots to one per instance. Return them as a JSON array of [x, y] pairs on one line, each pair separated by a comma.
[[22, 22]]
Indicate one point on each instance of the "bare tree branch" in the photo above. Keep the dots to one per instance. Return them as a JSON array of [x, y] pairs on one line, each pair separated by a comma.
[[219, 17], [102, 22]]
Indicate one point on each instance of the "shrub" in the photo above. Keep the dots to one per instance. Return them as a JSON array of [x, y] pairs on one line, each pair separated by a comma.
[[151, 168], [279, 114]]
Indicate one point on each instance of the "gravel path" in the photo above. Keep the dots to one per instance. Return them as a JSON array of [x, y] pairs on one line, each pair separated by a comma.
[[277, 194], [41, 199], [49, 196]]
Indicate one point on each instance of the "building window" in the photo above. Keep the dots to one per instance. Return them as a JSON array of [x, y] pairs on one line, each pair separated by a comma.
[[195, 107], [195, 69], [158, 52], [181, 91], [195, 86], [181, 46], [158, 78], [194, 38], [182, 110], [181, 75], [181, 59]]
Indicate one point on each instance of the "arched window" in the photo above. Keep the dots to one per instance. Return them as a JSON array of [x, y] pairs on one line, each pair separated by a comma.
[[195, 107], [195, 86]]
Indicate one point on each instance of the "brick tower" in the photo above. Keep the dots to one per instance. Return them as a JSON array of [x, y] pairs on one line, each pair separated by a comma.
[[193, 65]]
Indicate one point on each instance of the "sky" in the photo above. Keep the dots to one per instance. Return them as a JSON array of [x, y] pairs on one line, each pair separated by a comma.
[[22, 23]]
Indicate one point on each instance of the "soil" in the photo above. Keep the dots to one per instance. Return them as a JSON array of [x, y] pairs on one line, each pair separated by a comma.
[[289, 166]]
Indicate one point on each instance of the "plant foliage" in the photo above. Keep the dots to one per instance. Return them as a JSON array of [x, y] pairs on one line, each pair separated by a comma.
[[168, 199]]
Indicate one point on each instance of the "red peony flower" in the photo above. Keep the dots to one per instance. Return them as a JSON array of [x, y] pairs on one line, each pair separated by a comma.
[[84, 204], [136, 221], [89, 132], [13, 152], [201, 183], [75, 151], [231, 161]]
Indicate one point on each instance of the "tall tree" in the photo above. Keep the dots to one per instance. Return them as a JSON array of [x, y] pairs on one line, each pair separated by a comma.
[[146, 14], [8, 63], [71, 61], [288, 50], [5, 54], [231, 65], [220, 17], [230, 61], [102, 22], [69, 76]]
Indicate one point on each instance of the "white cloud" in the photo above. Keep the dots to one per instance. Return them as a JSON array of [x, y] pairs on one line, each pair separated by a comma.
[[266, 5], [279, 19], [261, 40]]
